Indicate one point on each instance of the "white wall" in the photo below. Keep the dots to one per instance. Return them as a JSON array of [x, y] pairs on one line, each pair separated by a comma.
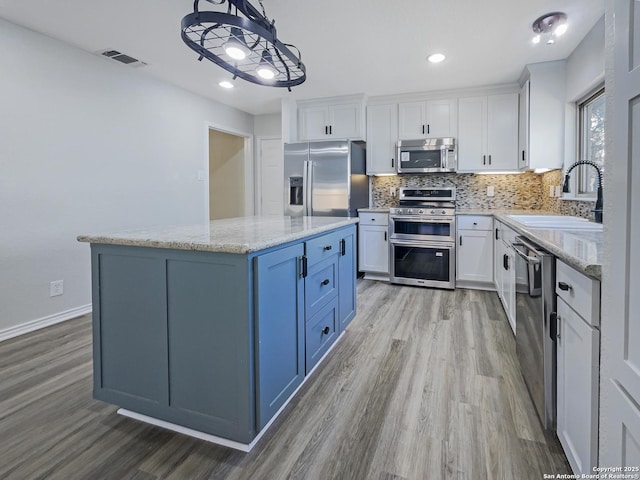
[[87, 145], [268, 125], [585, 71]]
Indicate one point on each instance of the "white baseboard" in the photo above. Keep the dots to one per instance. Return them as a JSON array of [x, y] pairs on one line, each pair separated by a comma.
[[43, 322]]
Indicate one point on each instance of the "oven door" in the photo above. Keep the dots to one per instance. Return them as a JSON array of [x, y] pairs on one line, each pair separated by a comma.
[[437, 229], [422, 160], [427, 264]]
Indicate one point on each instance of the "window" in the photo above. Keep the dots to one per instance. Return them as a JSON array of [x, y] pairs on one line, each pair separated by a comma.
[[591, 141]]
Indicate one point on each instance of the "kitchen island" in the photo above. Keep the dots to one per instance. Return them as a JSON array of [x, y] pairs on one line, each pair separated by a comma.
[[210, 329]]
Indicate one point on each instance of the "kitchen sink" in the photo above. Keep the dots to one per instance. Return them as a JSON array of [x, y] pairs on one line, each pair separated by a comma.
[[557, 222]]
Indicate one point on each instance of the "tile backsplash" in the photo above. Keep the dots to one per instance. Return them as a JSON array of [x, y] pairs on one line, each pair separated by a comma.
[[525, 191]]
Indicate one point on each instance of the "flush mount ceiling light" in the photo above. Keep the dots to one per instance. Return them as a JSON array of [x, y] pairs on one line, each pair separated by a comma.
[[436, 58], [548, 27], [243, 41], [226, 84]]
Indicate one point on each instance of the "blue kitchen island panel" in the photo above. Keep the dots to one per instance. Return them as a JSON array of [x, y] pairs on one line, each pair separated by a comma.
[[172, 337]]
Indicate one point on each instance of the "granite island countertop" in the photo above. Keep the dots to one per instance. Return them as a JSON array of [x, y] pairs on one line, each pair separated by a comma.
[[233, 235]]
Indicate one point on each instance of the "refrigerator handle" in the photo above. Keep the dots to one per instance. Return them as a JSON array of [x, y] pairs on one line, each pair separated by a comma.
[[308, 210]]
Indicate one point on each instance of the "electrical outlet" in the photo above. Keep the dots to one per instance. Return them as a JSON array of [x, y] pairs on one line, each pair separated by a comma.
[[552, 191], [558, 191], [392, 191], [491, 191], [56, 288]]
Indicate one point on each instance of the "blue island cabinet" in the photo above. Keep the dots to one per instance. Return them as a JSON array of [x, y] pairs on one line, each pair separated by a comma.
[[217, 342]]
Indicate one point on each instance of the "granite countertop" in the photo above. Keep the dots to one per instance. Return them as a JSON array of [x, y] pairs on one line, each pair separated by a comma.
[[505, 211], [233, 235], [583, 250]]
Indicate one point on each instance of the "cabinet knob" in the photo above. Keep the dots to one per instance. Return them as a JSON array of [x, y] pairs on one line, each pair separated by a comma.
[[324, 282], [326, 330], [564, 286], [327, 247], [475, 223]]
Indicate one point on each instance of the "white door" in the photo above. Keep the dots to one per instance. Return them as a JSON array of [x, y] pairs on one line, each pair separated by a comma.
[[620, 355], [475, 256], [441, 118], [270, 176], [412, 121], [502, 132], [382, 134], [472, 133], [373, 249]]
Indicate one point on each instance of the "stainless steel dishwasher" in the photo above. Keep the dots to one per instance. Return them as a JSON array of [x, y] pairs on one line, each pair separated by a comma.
[[536, 326]]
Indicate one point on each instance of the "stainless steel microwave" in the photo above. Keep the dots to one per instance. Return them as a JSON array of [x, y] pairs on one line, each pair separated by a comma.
[[427, 155]]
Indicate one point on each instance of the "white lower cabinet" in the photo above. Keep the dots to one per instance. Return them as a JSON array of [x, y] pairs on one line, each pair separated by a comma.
[[577, 424], [504, 270], [474, 255], [373, 245], [578, 344]]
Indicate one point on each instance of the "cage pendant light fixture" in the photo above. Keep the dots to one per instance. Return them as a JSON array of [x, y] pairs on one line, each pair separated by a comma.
[[243, 41]]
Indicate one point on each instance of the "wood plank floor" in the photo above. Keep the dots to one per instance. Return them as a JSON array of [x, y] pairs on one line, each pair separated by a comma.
[[423, 385]]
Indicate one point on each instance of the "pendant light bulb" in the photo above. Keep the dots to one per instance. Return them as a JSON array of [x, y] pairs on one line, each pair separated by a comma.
[[266, 69], [236, 47]]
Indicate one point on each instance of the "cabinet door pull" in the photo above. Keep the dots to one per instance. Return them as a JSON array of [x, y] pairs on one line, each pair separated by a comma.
[[523, 155], [327, 247], [564, 286], [326, 130], [558, 327], [489, 159], [505, 261], [484, 159], [423, 129], [326, 330], [330, 129], [497, 234], [343, 247], [428, 128], [303, 266], [553, 325], [393, 163], [460, 240], [385, 236], [324, 282]]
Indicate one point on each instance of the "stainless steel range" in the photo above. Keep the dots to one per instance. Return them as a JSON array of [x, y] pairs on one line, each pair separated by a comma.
[[422, 237]]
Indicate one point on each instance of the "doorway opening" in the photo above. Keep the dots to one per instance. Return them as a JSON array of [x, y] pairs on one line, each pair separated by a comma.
[[230, 189]]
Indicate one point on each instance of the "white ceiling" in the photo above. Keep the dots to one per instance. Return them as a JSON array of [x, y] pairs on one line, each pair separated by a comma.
[[376, 47]]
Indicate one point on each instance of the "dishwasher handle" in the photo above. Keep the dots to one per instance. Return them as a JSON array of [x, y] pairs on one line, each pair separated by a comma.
[[529, 259]]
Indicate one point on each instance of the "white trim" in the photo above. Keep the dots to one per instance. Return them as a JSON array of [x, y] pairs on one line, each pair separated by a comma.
[[43, 322], [243, 447], [248, 166]]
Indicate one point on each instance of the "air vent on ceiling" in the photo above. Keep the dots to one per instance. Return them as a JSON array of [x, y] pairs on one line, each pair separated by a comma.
[[120, 57]]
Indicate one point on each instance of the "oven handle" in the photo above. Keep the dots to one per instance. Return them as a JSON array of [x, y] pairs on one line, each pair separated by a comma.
[[423, 219], [409, 243], [527, 258]]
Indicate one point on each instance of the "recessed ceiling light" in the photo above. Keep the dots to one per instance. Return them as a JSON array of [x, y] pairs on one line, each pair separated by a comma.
[[226, 84], [436, 58]]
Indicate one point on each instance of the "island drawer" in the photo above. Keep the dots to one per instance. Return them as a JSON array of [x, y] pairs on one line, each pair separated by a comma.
[[321, 284], [323, 247], [372, 218], [321, 332]]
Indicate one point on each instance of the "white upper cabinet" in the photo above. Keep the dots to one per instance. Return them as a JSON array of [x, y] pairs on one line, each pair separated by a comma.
[[542, 116], [331, 119], [382, 135], [488, 133], [427, 119]]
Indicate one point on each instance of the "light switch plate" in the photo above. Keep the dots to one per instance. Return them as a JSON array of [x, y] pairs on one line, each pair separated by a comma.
[[558, 191], [552, 190], [491, 191]]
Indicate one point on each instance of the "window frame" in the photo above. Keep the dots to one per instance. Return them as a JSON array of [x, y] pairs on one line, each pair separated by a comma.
[[579, 175]]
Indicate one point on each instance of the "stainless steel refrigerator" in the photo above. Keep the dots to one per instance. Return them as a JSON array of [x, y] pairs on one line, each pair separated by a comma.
[[325, 179]]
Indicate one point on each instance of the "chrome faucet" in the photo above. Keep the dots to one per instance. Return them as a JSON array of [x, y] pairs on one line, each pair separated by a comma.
[[599, 202]]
